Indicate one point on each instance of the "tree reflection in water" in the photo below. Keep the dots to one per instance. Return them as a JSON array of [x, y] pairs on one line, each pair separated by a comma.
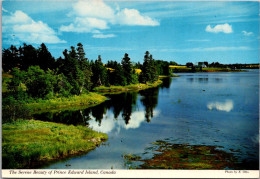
[[123, 104]]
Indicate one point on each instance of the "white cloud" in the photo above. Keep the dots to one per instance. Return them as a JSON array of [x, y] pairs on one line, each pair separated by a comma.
[[4, 10], [103, 36], [85, 25], [93, 8], [133, 17], [93, 15], [18, 17], [20, 26], [225, 28], [221, 106], [247, 33]]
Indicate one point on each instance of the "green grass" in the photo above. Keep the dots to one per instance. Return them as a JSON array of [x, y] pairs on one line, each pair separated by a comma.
[[165, 76], [132, 87], [84, 100], [28, 143]]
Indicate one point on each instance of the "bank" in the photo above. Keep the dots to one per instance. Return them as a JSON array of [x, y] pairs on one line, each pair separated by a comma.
[[66, 103], [31, 143], [132, 87]]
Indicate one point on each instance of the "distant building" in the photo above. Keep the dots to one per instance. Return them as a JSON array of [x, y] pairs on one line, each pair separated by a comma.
[[202, 64]]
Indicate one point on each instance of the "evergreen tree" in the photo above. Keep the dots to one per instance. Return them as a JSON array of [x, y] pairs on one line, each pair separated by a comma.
[[45, 59], [118, 76], [84, 67], [28, 55], [153, 71], [146, 68], [127, 69], [80, 52], [99, 76], [10, 58]]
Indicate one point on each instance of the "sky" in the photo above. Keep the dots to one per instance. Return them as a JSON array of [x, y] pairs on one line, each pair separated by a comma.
[[180, 31]]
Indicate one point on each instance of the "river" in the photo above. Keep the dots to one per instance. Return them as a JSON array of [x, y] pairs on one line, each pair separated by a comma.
[[207, 109]]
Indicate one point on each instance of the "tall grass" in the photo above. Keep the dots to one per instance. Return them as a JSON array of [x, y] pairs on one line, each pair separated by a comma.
[[66, 102], [132, 87], [29, 143]]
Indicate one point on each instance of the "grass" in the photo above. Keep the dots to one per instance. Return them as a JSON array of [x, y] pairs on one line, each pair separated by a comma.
[[30, 143], [165, 76], [132, 87], [179, 67], [84, 100]]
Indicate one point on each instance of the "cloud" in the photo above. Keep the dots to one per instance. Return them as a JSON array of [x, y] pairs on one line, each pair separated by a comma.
[[133, 17], [103, 36], [247, 33], [23, 28], [221, 106], [85, 25], [92, 15], [225, 28], [4, 10], [93, 8]]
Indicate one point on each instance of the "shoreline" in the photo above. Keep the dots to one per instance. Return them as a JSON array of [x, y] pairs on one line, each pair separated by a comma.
[[128, 88], [66, 103]]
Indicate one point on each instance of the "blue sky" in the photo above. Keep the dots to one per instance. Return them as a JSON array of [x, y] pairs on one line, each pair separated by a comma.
[[227, 32]]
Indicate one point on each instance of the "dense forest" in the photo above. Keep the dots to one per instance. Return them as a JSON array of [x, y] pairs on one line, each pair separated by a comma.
[[35, 74]]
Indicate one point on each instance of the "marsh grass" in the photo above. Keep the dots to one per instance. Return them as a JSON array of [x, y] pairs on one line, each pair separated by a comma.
[[132, 87], [84, 100], [29, 143]]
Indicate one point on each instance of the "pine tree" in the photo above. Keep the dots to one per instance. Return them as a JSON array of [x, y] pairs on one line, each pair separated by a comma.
[[127, 68], [45, 59], [99, 76], [84, 67], [145, 74]]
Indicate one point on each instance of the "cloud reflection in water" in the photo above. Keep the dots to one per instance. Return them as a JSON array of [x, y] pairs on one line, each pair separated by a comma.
[[221, 106], [109, 123]]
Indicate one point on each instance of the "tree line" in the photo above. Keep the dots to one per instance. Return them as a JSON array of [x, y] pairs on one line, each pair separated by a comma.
[[37, 74]]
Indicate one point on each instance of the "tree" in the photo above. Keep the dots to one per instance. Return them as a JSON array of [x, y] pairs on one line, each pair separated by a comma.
[[117, 77], [10, 58], [28, 56], [127, 69], [80, 52], [145, 74], [99, 73], [153, 71], [84, 67], [70, 67], [16, 81], [45, 59], [38, 83], [149, 73]]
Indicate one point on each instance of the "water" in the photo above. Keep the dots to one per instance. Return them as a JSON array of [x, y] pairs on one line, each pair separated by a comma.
[[216, 109]]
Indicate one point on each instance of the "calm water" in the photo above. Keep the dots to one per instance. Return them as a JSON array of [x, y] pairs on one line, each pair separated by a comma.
[[217, 109]]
